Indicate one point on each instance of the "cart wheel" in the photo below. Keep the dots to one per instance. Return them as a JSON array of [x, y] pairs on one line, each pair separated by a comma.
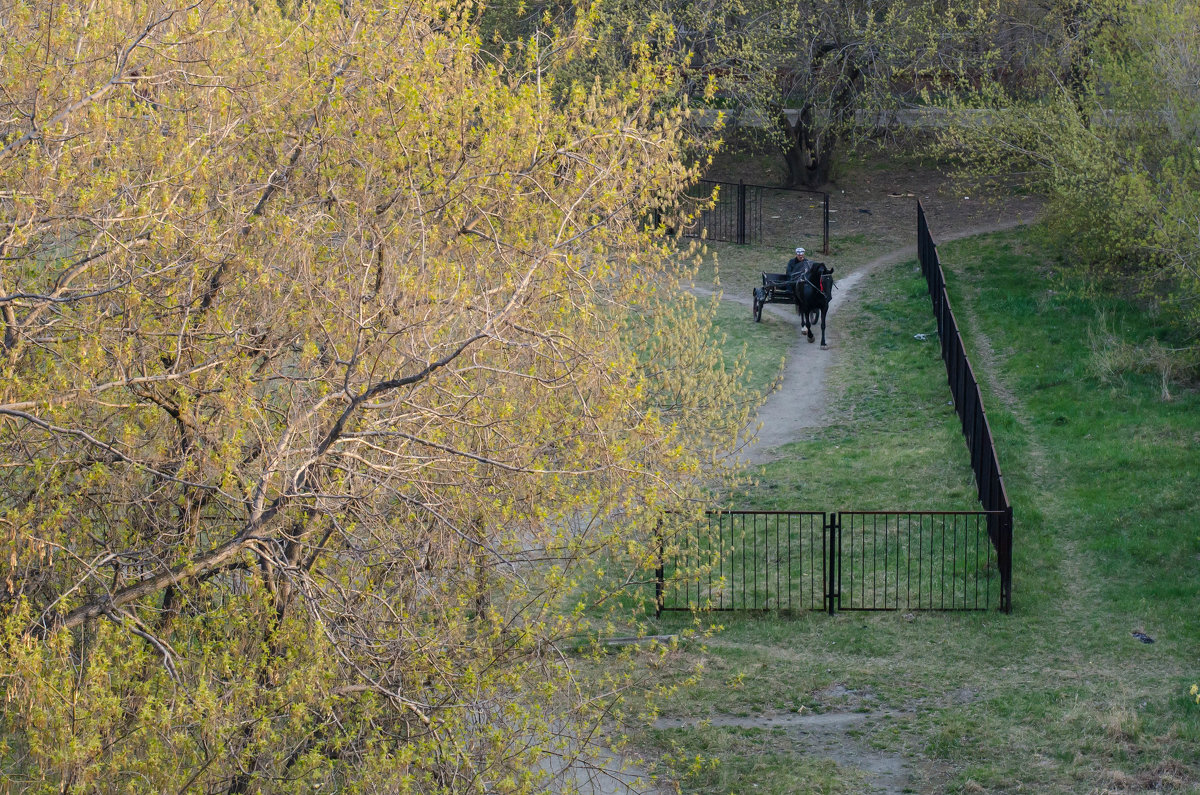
[[758, 305]]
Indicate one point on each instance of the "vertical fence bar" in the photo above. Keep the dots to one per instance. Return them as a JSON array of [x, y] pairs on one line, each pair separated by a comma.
[[741, 212], [675, 559], [823, 530], [845, 560], [831, 545], [837, 558], [954, 566], [825, 565], [726, 587], [978, 544], [887, 557], [710, 549], [789, 562], [754, 565], [691, 569], [1004, 557], [874, 556], [743, 562], [942, 573], [778, 601], [977, 453], [990, 549], [825, 225], [758, 214], [908, 564]]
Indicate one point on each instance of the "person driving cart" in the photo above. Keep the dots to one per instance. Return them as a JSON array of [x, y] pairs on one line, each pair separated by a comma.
[[797, 267], [802, 269]]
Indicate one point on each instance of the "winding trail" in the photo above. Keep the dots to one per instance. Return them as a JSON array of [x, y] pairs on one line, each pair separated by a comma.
[[799, 403]]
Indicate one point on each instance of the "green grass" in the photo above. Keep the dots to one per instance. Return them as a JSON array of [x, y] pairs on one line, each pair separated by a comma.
[[1119, 465], [1105, 480], [764, 345]]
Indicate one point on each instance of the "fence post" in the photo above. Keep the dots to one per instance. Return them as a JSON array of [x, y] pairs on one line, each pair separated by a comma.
[[741, 212], [1005, 560], [825, 226], [831, 533], [659, 573]]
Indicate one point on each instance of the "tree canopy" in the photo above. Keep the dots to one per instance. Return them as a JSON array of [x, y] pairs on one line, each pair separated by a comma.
[[805, 78], [1107, 125], [340, 390]]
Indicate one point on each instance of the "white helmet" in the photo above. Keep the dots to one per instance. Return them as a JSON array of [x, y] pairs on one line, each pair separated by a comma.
[[799, 252]]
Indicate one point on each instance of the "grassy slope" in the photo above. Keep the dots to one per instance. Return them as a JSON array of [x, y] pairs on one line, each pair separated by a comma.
[[1057, 697]]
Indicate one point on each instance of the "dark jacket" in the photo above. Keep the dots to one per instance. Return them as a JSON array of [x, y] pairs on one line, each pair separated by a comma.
[[798, 268]]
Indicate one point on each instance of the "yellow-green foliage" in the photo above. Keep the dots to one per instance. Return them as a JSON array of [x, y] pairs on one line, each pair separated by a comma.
[[340, 391], [1112, 140]]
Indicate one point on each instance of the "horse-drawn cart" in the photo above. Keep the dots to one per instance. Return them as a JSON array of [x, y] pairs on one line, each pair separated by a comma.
[[809, 290]]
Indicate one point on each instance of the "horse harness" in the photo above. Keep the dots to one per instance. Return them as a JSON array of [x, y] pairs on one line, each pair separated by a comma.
[[819, 270]]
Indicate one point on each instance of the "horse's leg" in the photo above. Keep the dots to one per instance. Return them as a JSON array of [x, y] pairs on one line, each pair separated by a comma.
[[807, 323], [824, 311], [802, 311]]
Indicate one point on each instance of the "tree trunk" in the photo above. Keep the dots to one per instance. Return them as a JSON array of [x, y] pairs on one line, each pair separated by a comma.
[[808, 151]]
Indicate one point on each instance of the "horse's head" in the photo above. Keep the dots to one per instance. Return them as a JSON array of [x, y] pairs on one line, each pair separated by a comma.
[[825, 275]]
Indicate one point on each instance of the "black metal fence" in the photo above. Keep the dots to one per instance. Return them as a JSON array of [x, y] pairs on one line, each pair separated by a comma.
[[734, 217], [915, 560], [850, 560], [859, 560], [754, 214], [969, 404], [747, 560]]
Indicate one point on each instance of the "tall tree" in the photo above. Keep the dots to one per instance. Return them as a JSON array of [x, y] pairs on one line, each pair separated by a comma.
[[340, 380]]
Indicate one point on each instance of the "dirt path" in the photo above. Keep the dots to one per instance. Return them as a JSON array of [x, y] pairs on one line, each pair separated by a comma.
[[830, 735], [799, 402]]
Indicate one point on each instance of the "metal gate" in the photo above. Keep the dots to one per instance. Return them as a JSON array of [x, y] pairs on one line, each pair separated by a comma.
[[847, 560], [735, 216], [757, 214]]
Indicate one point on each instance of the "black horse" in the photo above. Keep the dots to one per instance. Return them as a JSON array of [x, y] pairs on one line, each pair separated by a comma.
[[812, 298]]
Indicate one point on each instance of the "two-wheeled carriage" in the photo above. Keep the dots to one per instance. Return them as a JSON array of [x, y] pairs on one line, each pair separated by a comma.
[[777, 288]]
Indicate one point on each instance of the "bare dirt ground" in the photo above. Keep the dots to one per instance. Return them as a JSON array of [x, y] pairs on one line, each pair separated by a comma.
[[873, 199], [837, 734]]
